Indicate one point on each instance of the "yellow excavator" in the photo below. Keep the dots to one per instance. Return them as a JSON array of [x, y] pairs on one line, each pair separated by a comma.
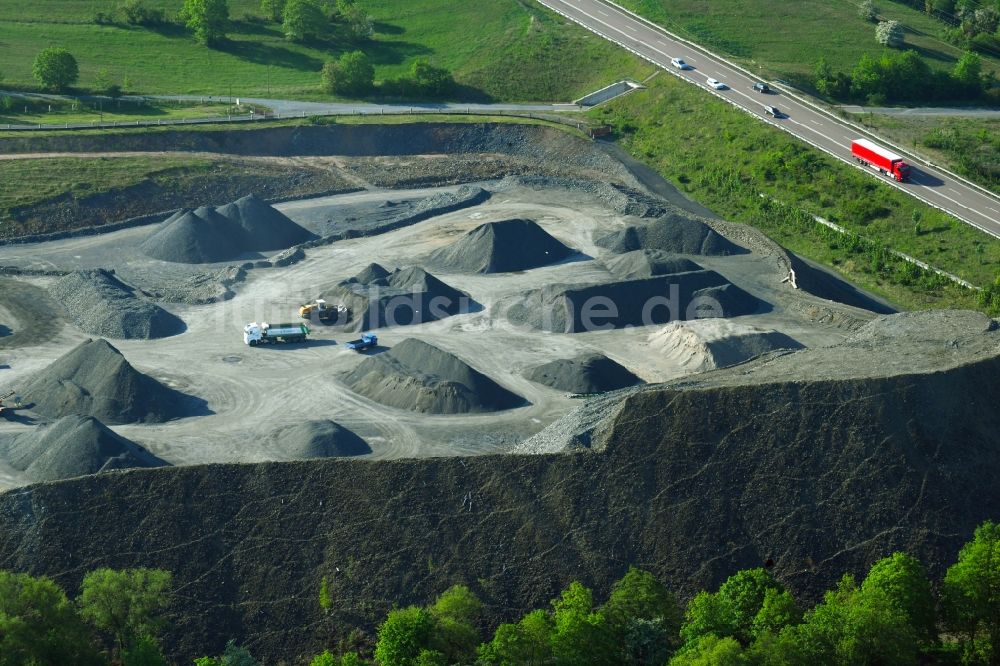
[[325, 312]]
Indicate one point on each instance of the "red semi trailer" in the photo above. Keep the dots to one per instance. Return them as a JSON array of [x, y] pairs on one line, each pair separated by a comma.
[[877, 157]]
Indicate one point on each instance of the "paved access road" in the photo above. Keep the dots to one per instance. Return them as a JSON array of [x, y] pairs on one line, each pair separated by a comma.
[[965, 202]]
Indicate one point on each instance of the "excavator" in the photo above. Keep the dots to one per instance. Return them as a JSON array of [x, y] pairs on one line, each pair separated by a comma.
[[326, 313]]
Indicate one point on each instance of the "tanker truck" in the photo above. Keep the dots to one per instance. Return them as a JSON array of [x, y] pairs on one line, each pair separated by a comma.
[[267, 334], [877, 157]]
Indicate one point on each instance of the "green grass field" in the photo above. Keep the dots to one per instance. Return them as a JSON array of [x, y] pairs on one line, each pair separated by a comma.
[[749, 172], [509, 50], [56, 112], [785, 39]]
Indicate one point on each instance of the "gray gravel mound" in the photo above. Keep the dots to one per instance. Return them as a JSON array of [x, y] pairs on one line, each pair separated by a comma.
[[422, 378], [656, 300], [209, 235], [587, 373], [320, 439], [501, 247], [405, 297], [73, 446], [94, 379], [671, 233], [101, 304], [648, 263]]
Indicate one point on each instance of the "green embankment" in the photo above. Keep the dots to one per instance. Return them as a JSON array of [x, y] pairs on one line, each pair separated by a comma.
[[749, 172], [508, 50]]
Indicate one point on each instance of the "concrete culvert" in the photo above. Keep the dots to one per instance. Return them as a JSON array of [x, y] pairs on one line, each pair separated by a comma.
[[319, 439], [707, 344], [209, 235], [94, 379], [671, 233], [501, 247], [648, 263], [74, 446], [587, 373], [101, 304], [422, 378]]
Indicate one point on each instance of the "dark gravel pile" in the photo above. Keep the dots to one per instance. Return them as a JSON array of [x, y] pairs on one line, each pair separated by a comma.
[[501, 247], [101, 304], [656, 300], [377, 298], [73, 446], [320, 439], [670, 233], [209, 235], [587, 373], [648, 263], [94, 379], [420, 377]]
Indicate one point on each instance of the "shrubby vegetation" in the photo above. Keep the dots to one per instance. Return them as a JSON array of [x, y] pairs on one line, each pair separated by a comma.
[[55, 68]]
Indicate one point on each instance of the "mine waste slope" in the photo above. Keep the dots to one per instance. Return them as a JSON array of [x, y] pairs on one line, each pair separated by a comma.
[[94, 379], [420, 377], [377, 298], [101, 304], [73, 446], [208, 235], [587, 373], [501, 247], [821, 460], [648, 263]]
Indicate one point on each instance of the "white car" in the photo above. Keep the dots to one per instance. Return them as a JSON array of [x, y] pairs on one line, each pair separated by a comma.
[[717, 85], [679, 63]]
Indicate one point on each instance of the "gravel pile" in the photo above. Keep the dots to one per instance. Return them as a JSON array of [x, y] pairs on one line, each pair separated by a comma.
[[656, 300], [587, 373], [94, 379], [210, 235], [74, 446], [101, 304], [200, 288], [419, 377], [671, 233], [648, 263], [501, 247], [319, 439], [407, 296], [707, 344]]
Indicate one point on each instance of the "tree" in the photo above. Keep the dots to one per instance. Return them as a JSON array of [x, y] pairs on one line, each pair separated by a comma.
[[971, 595], [326, 658], [778, 611], [743, 594], [359, 22], [868, 79], [430, 80], [55, 68], [528, 642], [208, 19], [38, 624], [304, 20], [144, 652], [643, 617], [711, 650], [351, 74], [903, 581], [456, 615], [403, 635], [273, 9], [868, 11], [890, 33], [968, 74], [127, 604]]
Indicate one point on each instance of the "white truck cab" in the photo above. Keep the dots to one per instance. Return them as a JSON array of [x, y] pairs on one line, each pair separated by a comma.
[[252, 334]]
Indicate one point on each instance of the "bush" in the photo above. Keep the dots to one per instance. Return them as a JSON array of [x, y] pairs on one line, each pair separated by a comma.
[[868, 11], [55, 68], [208, 19], [890, 33], [136, 13], [304, 20], [351, 74]]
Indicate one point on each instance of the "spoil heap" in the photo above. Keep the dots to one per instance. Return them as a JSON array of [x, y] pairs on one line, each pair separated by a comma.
[[422, 378], [319, 439], [94, 379], [587, 373], [101, 304], [707, 344], [648, 263], [670, 233], [656, 300], [209, 235], [501, 247], [377, 298], [73, 446]]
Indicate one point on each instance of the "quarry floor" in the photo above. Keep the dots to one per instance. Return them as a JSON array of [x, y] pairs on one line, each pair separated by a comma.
[[252, 392]]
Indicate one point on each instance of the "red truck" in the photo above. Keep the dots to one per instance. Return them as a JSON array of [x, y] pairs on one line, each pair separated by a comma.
[[877, 157]]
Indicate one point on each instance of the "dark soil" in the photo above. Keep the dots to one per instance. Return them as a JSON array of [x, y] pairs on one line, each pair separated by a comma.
[[501, 247], [675, 233], [588, 373]]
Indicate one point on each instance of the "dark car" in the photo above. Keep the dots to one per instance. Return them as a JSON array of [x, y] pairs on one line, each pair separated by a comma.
[[762, 87]]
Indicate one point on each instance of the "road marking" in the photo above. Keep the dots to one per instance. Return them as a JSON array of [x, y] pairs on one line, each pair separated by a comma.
[[602, 13]]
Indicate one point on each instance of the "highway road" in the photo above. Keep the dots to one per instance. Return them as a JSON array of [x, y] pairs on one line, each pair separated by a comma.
[[803, 120]]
